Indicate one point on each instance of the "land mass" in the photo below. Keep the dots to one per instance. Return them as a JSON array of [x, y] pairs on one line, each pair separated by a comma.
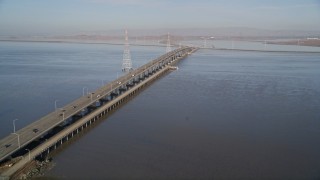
[[300, 42]]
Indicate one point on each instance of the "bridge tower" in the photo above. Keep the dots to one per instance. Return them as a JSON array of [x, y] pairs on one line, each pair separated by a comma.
[[126, 62], [168, 44]]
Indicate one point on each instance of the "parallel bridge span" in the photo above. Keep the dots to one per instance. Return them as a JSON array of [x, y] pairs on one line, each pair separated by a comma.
[[83, 111]]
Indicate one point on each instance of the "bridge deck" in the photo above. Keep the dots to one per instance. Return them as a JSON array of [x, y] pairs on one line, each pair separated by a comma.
[[53, 119], [42, 147]]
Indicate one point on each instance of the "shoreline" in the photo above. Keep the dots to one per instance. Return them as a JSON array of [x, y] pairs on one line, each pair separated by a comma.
[[266, 51], [156, 45], [76, 42], [298, 42]]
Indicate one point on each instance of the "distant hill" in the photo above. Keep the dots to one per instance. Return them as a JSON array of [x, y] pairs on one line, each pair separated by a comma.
[[240, 33], [221, 32]]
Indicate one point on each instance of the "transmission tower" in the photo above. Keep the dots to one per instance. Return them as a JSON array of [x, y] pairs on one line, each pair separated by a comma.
[[126, 63], [168, 44]]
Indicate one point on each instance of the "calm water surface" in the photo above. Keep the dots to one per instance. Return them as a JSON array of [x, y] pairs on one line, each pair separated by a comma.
[[222, 115]]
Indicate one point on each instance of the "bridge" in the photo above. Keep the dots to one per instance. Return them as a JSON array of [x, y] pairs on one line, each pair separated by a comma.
[[57, 127]]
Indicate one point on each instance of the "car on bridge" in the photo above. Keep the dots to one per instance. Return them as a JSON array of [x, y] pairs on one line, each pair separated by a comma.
[[7, 145]]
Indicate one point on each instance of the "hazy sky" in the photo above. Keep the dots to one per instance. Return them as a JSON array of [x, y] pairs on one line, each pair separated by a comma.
[[58, 16]]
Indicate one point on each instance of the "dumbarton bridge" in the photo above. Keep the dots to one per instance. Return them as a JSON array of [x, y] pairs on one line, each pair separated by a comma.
[[56, 128]]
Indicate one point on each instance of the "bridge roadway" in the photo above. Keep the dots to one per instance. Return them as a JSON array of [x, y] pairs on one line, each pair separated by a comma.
[[53, 119]]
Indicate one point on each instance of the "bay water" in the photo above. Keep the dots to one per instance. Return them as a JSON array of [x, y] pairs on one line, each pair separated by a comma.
[[222, 114]]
